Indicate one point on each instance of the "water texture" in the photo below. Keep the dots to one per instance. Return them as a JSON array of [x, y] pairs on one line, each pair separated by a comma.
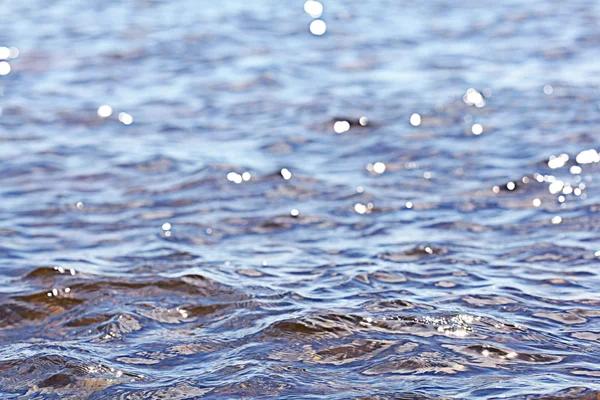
[[229, 225]]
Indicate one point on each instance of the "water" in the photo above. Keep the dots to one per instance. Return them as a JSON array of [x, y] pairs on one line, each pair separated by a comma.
[[134, 266]]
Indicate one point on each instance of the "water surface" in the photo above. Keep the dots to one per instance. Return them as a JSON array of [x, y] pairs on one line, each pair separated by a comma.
[[214, 236]]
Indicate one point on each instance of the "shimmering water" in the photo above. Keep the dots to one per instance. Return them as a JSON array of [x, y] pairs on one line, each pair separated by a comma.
[[208, 233]]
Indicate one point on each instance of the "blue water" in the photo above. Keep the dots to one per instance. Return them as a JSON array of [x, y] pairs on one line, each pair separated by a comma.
[[215, 237]]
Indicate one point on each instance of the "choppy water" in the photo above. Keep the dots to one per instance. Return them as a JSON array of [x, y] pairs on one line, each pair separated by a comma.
[[134, 266]]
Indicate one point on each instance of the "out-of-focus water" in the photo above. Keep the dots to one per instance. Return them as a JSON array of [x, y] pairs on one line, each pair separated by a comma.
[[214, 236]]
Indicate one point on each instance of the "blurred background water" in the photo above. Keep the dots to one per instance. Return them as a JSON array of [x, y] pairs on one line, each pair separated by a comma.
[[383, 199]]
